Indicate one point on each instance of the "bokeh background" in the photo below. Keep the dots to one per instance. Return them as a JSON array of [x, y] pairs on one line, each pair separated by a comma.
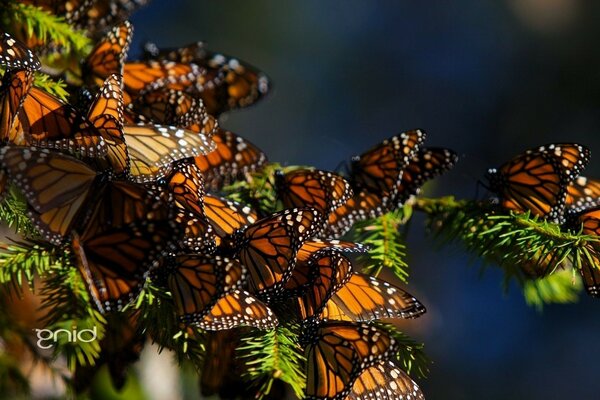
[[486, 78]]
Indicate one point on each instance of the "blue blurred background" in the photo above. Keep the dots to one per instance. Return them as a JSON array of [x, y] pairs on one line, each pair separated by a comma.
[[486, 78]]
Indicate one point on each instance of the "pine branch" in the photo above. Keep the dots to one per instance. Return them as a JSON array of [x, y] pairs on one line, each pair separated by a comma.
[[258, 190], [26, 260], [526, 247], [47, 27], [274, 354], [410, 353], [387, 247], [57, 88], [13, 212], [158, 317], [68, 306]]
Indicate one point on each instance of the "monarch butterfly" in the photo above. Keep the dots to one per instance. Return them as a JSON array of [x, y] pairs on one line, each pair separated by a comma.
[[321, 190], [366, 298], [15, 55], [228, 82], [588, 221], [426, 164], [55, 186], [363, 205], [185, 185], [313, 282], [537, 179], [227, 216], [339, 352], [172, 107], [385, 381], [206, 292], [379, 170], [233, 158], [127, 232], [219, 362], [106, 113], [268, 248], [109, 54], [49, 122], [15, 86], [154, 148], [104, 13], [583, 193]]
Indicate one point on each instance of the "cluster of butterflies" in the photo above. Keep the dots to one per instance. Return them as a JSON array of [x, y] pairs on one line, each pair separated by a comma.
[[547, 183], [127, 180]]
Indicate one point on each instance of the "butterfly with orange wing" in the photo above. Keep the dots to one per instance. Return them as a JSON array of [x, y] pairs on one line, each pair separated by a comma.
[[233, 158], [15, 87], [537, 180], [268, 248], [588, 221], [228, 83], [583, 193], [207, 292], [339, 352], [321, 190], [385, 381], [379, 170], [15, 55]]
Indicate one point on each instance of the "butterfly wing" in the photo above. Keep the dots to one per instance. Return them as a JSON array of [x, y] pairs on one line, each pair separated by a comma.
[[56, 187], [537, 180], [109, 54], [15, 55], [366, 298], [385, 381], [339, 354], [233, 158], [238, 308], [268, 247], [583, 193], [361, 206], [427, 164], [153, 148], [106, 113], [14, 89], [379, 170], [322, 190]]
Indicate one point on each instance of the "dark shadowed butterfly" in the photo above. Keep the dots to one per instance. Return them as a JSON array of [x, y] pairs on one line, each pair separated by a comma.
[[15, 55], [104, 13], [385, 381], [219, 362], [426, 164], [207, 292], [322, 190], [588, 221], [583, 193], [233, 158], [339, 352], [537, 179], [366, 298], [14, 89], [129, 229], [172, 107], [268, 248], [227, 84], [379, 170]]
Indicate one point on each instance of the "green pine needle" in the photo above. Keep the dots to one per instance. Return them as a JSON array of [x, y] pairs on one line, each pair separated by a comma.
[[410, 354], [386, 242], [273, 354], [49, 28], [526, 247]]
